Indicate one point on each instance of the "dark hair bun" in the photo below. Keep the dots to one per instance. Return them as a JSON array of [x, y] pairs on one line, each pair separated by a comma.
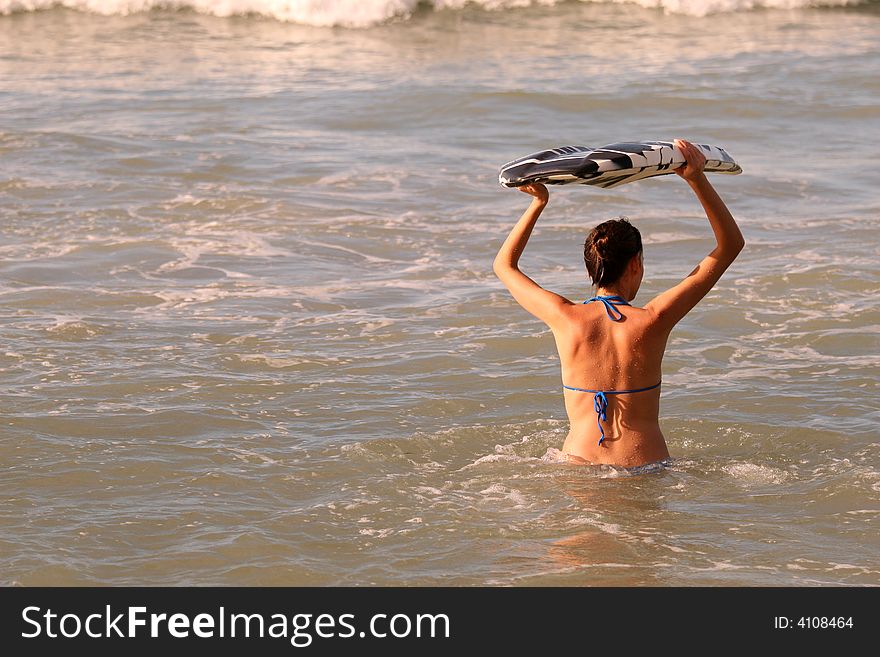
[[608, 248]]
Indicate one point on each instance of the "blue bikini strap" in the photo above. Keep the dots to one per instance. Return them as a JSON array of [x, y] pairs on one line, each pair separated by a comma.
[[600, 402], [610, 302]]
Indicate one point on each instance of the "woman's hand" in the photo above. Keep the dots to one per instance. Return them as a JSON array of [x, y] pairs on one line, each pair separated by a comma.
[[538, 190], [695, 161]]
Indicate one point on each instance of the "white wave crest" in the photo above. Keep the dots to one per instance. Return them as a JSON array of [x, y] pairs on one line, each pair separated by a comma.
[[364, 13]]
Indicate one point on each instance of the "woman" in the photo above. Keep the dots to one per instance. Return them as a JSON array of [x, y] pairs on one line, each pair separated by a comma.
[[611, 352]]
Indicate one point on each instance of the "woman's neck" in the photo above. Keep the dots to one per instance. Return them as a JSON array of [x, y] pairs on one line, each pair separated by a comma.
[[612, 291]]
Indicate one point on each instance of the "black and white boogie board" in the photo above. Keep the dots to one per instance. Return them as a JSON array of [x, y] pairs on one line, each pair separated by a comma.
[[609, 166]]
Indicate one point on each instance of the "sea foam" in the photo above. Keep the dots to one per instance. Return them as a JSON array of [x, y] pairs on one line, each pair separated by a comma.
[[364, 13]]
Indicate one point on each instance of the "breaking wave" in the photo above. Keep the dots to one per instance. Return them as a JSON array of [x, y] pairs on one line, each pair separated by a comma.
[[364, 13]]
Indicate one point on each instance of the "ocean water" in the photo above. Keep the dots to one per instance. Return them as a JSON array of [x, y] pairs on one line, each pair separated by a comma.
[[250, 335]]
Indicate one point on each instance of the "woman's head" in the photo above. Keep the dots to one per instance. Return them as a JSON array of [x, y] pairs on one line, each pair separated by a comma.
[[609, 249]]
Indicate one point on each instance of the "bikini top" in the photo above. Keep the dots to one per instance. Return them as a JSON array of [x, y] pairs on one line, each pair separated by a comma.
[[600, 401]]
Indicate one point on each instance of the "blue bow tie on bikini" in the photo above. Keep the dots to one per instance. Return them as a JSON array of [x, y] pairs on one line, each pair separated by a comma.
[[600, 401]]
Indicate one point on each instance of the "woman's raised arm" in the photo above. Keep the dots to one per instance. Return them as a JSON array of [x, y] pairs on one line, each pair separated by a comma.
[[676, 302], [543, 304]]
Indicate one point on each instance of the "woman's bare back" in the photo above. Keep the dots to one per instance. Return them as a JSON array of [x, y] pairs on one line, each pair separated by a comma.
[[599, 354]]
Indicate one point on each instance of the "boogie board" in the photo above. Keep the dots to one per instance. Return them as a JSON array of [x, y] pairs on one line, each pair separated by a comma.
[[608, 166]]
